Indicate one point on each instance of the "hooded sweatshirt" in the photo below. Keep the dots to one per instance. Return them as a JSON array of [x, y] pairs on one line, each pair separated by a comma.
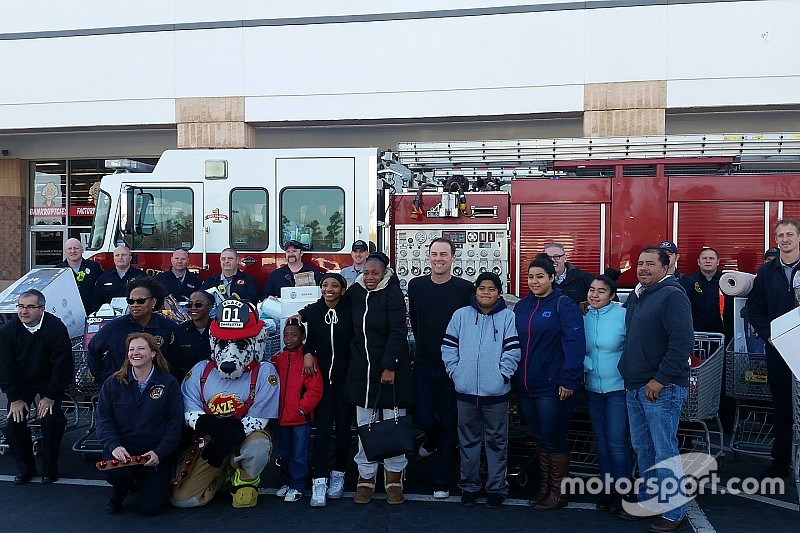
[[330, 332], [660, 337], [553, 344], [605, 338], [481, 352]]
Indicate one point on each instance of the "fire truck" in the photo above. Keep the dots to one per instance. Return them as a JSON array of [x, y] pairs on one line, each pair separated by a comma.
[[499, 201]]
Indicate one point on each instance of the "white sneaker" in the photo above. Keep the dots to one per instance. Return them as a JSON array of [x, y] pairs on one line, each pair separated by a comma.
[[318, 488], [441, 494], [292, 495], [336, 490], [282, 491]]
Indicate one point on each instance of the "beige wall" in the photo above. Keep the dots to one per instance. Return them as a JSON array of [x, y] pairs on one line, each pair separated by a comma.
[[12, 230], [213, 123], [626, 108]]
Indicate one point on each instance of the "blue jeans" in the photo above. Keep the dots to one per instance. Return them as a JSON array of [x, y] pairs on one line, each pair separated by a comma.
[[609, 415], [293, 448], [435, 393], [549, 419], [654, 430]]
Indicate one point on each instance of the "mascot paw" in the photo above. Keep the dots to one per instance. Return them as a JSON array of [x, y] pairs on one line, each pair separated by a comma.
[[245, 497]]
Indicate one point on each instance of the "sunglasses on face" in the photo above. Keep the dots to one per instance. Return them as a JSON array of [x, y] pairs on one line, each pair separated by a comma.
[[139, 301], [195, 305]]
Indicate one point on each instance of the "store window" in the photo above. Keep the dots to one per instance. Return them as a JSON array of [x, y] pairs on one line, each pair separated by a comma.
[[48, 194], [167, 221], [313, 216], [62, 197], [249, 219]]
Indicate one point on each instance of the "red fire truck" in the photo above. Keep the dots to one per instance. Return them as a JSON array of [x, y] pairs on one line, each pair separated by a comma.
[[500, 202]]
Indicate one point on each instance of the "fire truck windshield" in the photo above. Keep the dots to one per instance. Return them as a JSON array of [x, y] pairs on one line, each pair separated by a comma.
[[100, 222]]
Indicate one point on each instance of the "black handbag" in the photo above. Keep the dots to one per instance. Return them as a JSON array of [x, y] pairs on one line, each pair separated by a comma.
[[387, 437]]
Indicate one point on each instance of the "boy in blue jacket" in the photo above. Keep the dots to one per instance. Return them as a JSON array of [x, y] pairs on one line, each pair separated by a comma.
[[481, 351]]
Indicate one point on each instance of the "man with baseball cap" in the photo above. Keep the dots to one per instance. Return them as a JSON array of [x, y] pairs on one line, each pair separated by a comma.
[[672, 251], [359, 252], [771, 254], [293, 273]]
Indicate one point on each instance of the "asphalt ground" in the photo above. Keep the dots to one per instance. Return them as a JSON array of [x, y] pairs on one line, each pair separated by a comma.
[[75, 503]]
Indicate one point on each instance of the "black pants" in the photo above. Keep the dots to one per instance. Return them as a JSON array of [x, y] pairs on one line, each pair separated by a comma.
[[332, 409], [152, 483], [780, 385], [18, 435], [436, 394]]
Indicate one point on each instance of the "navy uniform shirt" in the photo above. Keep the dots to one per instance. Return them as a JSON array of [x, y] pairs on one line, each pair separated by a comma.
[[242, 285], [193, 346], [107, 347], [181, 289], [283, 277], [85, 277], [109, 285]]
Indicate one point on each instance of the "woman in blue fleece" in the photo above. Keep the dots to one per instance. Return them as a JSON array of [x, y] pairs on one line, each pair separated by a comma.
[[551, 336], [480, 351], [605, 392]]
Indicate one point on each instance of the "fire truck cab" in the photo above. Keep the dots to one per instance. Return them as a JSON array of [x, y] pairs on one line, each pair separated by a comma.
[[251, 200]]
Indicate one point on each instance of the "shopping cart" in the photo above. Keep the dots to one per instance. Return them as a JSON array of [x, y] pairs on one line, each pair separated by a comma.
[[583, 454], [522, 448], [796, 442], [85, 392], [702, 400], [746, 382], [272, 346]]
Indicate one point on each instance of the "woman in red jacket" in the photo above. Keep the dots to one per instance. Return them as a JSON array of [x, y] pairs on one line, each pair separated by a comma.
[[300, 394]]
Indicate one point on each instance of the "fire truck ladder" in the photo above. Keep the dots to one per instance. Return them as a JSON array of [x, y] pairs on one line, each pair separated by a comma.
[[530, 157]]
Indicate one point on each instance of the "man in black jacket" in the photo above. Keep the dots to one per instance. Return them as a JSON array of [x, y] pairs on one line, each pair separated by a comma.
[[35, 359], [655, 368], [293, 273], [85, 271], [774, 293], [178, 281], [232, 282], [113, 282], [702, 288], [569, 278]]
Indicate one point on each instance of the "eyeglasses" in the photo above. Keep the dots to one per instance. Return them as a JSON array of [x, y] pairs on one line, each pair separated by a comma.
[[557, 257], [195, 305], [139, 301], [28, 307]]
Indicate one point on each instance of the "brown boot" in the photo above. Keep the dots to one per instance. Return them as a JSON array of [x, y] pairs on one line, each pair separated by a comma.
[[544, 477], [393, 483], [364, 490], [559, 468]]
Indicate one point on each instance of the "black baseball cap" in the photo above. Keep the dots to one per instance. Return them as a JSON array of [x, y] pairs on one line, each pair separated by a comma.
[[772, 252], [360, 245], [668, 246], [295, 244]]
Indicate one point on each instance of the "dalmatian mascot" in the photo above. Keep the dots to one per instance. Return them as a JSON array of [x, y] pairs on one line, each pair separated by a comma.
[[228, 401]]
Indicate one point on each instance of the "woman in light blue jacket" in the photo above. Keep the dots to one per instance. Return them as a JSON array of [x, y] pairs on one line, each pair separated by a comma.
[[604, 324], [481, 351]]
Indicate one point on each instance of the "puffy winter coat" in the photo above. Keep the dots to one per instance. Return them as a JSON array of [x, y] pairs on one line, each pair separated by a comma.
[[605, 339], [380, 342], [300, 393]]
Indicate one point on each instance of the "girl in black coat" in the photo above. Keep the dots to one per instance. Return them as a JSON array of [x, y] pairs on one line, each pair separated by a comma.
[[379, 362], [330, 333]]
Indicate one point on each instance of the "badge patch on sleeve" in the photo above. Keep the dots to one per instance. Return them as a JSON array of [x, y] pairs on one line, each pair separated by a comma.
[[273, 380]]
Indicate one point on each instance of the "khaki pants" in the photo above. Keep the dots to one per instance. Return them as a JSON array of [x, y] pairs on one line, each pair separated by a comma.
[[199, 487]]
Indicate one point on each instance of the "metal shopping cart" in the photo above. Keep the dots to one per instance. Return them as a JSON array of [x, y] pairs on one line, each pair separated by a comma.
[[702, 401], [796, 451], [746, 382]]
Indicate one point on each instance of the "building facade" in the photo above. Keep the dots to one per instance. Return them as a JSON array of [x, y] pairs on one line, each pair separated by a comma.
[[132, 79]]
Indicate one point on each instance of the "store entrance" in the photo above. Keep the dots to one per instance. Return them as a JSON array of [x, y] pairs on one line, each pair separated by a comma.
[[47, 247]]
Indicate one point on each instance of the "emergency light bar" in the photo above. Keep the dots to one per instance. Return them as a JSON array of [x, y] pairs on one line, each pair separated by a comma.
[[128, 165]]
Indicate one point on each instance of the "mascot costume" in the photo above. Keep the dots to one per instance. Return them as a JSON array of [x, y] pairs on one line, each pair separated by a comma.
[[228, 402]]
